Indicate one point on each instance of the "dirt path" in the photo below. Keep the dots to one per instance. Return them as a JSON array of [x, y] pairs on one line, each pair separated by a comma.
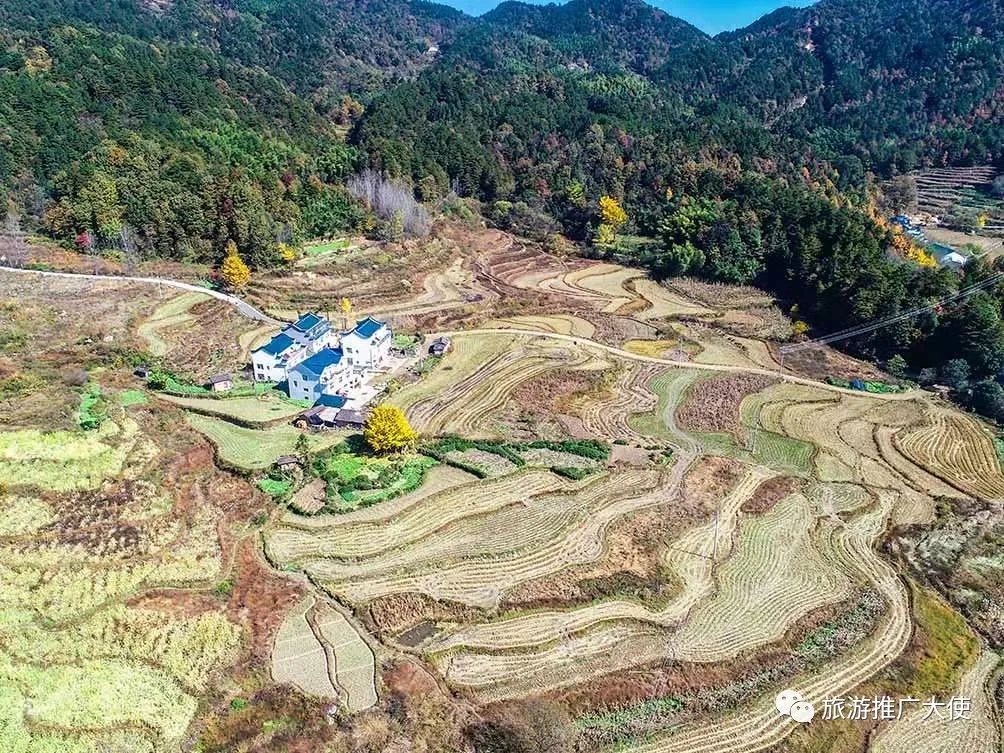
[[910, 395], [243, 308]]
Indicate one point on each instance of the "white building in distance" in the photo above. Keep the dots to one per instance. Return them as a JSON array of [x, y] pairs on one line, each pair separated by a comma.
[[367, 346], [308, 335]]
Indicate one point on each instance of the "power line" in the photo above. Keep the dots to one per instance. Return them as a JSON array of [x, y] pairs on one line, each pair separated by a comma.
[[862, 329]]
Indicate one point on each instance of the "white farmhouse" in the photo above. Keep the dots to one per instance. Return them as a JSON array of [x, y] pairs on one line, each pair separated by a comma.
[[324, 373], [306, 336], [368, 345]]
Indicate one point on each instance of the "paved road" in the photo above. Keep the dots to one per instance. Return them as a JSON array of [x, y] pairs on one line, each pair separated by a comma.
[[244, 308], [619, 352]]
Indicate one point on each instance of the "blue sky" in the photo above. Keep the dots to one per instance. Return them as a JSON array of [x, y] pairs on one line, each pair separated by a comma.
[[712, 16]]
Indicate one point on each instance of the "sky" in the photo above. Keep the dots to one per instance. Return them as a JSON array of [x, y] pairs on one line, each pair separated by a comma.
[[712, 16]]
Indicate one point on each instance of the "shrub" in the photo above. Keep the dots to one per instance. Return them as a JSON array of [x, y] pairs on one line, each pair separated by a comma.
[[576, 474]]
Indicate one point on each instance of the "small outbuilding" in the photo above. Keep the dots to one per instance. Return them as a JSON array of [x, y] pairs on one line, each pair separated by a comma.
[[440, 346], [220, 382], [143, 372], [349, 419], [284, 462]]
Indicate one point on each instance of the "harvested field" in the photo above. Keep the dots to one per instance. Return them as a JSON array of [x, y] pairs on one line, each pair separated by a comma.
[[562, 324], [473, 384], [320, 652], [174, 314], [978, 733], [309, 499], [662, 302], [712, 405], [669, 386], [778, 574], [220, 345], [298, 656], [487, 462], [957, 449], [255, 449], [941, 189], [262, 409], [354, 663], [611, 413], [477, 558], [758, 724], [721, 296]]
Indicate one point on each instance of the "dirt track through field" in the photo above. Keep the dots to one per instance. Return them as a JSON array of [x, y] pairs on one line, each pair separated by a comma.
[[626, 354], [243, 308]]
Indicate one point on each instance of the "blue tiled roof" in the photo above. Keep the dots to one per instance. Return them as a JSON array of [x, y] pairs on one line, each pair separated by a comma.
[[330, 401], [307, 322], [368, 327], [276, 345], [318, 362]]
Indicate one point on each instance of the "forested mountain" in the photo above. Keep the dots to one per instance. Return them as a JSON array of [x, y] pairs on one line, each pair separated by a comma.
[[167, 128], [170, 127], [323, 48], [894, 84]]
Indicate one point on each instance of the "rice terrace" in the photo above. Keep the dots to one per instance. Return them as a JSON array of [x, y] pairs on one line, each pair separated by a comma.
[[622, 527]]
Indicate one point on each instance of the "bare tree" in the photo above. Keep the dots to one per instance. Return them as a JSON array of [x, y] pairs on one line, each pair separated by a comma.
[[391, 201], [13, 246], [130, 254]]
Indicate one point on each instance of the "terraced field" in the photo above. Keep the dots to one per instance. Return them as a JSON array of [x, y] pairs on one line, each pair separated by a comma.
[[82, 667], [820, 474], [174, 314], [978, 733], [255, 449], [474, 382], [940, 189], [262, 409], [320, 652], [734, 529]]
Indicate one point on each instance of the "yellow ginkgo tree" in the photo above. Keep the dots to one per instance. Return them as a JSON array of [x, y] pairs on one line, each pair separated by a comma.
[[235, 273]]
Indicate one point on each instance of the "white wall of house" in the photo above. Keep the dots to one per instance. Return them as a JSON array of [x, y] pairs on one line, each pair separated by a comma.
[[366, 353], [334, 379], [303, 386], [267, 368]]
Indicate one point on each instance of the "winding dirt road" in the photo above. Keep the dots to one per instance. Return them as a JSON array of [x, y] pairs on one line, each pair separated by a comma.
[[243, 308], [626, 354]]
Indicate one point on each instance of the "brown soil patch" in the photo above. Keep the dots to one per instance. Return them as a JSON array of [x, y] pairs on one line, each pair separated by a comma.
[[709, 480], [623, 454], [720, 295], [712, 405], [215, 349], [553, 391], [821, 362], [310, 498], [770, 492], [260, 599], [408, 678], [304, 726], [393, 614], [176, 602]]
